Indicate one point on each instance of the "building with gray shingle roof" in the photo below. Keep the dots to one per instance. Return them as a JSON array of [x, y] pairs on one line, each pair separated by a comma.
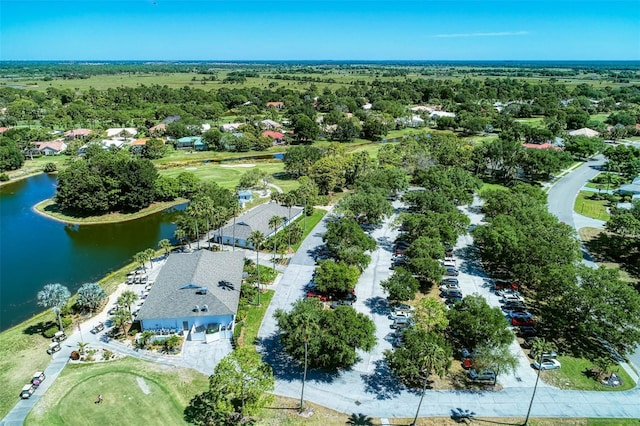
[[196, 289], [256, 219]]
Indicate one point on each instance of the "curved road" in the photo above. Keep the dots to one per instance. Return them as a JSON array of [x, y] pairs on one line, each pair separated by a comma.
[[561, 198]]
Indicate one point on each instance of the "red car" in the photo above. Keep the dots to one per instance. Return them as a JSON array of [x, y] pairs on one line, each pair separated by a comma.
[[519, 322], [467, 364], [320, 296]]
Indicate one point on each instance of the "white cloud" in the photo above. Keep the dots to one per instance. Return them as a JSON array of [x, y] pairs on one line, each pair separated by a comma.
[[500, 34]]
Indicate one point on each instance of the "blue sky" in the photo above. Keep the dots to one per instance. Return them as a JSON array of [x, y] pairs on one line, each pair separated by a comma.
[[319, 30]]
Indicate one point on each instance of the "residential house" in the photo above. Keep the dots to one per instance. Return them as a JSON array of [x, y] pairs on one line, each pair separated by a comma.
[[276, 105], [269, 125], [195, 292], [277, 137], [256, 219], [245, 196], [367, 106], [121, 131], [414, 121], [3, 129], [230, 127], [158, 130], [585, 131], [50, 147], [191, 142], [170, 119], [546, 145], [77, 133], [436, 114]]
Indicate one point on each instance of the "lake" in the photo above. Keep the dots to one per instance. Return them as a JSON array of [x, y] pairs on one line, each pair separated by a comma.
[[36, 250]]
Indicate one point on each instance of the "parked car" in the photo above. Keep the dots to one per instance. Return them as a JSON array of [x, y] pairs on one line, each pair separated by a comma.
[[59, 336], [450, 301], [98, 328], [482, 376], [520, 314], [448, 263], [448, 251], [113, 309], [502, 284], [467, 363], [527, 331], [511, 298], [451, 271], [448, 287], [547, 364], [544, 355], [320, 296], [401, 323], [503, 292], [401, 307], [513, 306], [337, 303], [519, 322], [449, 280], [27, 391], [453, 292], [38, 377], [53, 347], [400, 314]]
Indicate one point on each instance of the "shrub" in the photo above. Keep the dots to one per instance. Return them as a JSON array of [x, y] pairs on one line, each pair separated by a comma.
[[107, 355], [75, 355], [49, 332], [4, 177], [66, 322], [50, 168], [237, 331]]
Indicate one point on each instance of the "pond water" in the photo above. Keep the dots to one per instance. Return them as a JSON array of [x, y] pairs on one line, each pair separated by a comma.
[[36, 250]]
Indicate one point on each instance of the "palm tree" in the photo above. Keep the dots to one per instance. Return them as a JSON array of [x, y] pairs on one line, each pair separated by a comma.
[[307, 327], [54, 296], [121, 317], [539, 346], [180, 235], [195, 211], [141, 258], [207, 206], [274, 223], [289, 200], [235, 210], [256, 238], [82, 346], [148, 255], [219, 215], [432, 359], [127, 298], [165, 245]]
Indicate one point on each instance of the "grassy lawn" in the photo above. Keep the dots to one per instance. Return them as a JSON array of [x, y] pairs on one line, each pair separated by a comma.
[[312, 221], [595, 209], [254, 319], [228, 175], [606, 248], [599, 117], [70, 400], [533, 122], [572, 375], [52, 210]]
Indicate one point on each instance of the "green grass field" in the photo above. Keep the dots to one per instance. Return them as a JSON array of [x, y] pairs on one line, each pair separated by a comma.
[[595, 209], [134, 392], [572, 376]]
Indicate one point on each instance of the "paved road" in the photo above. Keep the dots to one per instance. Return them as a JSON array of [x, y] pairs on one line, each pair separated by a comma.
[[562, 197], [369, 388]]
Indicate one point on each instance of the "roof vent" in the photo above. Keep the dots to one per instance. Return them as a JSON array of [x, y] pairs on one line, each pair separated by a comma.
[[196, 308], [202, 290], [205, 308]]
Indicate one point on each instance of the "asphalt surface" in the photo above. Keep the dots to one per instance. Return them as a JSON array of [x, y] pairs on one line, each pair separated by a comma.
[[369, 387], [561, 199]]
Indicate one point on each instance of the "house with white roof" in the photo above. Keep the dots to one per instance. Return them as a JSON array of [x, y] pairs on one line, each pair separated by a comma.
[[585, 131], [230, 127], [121, 131]]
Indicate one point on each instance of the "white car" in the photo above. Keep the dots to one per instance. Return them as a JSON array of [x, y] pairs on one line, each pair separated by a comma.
[[511, 298], [547, 364], [400, 314]]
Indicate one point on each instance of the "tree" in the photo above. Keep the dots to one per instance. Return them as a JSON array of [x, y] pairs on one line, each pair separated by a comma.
[[54, 296], [154, 149], [583, 146], [299, 159], [274, 223], [539, 347], [121, 318], [401, 286], [127, 298], [346, 233], [305, 129], [365, 207], [421, 355], [90, 296], [336, 277], [82, 346], [495, 357], [165, 245], [180, 235], [374, 128], [474, 323], [238, 388], [141, 258], [328, 174], [430, 315], [148, 256], [339, 333], [256, 239]]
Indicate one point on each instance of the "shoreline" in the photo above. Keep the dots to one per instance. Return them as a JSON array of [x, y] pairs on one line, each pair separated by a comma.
[[118, 218]]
